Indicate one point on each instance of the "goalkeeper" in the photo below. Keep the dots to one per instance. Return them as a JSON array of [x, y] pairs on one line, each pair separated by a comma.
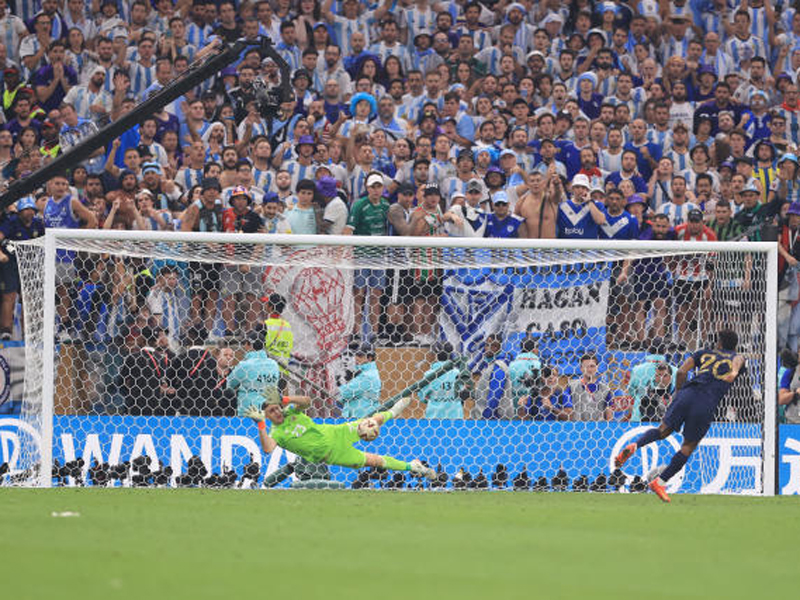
[[296, 432]]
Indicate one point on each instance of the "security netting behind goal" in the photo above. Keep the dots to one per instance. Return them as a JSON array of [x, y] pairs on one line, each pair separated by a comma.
[[530, 366]]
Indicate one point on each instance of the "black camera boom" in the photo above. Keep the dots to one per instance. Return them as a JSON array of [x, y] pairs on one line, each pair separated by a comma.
[[226, 55]]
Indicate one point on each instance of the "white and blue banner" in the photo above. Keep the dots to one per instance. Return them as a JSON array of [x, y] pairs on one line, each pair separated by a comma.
[[789, 460], [728, 459], [565, 307]]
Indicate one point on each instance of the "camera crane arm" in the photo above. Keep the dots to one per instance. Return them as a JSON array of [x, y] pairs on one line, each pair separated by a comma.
[[170, 92]]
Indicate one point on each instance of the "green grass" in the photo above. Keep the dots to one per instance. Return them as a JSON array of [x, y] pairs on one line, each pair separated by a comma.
[[154, 544]]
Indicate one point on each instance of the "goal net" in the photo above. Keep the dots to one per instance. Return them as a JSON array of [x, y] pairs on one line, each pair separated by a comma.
[[531, 363]]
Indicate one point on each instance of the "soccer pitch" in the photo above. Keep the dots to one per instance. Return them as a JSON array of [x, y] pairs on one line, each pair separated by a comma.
[[320, 544]]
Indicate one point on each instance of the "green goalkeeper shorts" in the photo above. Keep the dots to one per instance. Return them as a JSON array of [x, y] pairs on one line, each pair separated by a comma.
[[341, 439]]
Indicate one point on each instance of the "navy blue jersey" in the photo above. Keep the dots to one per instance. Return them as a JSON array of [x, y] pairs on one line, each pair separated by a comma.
[[15, 230], [575, 221], [695, 405], [622, 227], [709, 368], [507, 228]]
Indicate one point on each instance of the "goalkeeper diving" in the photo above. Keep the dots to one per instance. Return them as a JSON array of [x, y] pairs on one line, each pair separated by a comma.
[[298, 433]]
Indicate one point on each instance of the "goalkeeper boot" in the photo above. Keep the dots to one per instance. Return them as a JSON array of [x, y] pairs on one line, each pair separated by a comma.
[[658, 488], [417, 468], [626, 453]]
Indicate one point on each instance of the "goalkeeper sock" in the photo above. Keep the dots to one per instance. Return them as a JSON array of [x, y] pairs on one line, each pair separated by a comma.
[[676, 464], [648, 437], [394, 464], [400, 406]]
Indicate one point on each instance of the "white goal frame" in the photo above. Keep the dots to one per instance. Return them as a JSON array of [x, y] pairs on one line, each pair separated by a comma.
[[627, 249]]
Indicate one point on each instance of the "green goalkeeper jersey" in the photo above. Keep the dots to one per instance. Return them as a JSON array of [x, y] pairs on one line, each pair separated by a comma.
[[300, 435]]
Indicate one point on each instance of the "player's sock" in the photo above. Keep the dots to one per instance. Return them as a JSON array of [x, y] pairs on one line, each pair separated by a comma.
[[400, 406], [648, 437], [394, 464], [676, 464]]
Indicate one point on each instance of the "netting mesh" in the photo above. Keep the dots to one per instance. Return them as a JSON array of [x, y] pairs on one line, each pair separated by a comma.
[[528, 368]]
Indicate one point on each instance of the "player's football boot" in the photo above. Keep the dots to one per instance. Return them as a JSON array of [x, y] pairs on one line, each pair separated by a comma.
[[659, 490], [417, 468], [626, 453]]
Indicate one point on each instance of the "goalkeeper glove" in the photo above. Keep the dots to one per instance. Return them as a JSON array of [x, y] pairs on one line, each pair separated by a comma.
[[272, 396], [255, 413]]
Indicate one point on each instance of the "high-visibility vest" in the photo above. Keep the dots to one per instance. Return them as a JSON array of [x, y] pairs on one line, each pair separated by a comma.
[[51, 152], [278, 338], [9, 95]]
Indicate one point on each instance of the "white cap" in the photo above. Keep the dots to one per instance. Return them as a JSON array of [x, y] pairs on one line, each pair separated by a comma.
[[374, 178], [582, 180], [553, 18]]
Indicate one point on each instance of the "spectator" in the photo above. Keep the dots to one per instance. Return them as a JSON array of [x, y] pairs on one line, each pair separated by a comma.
[[692, 278], [500, 223], [302, 218], [274, 219], [53, 81], [168, 304], [427, 220], [628, 172], [204, 215], [681, 203], [398, 311], [753, 214], [240, 284], [538, 205], [24, 225], [334, 217], [620, 224], [369, 217], [579, 217], [62, 210], [724, 227]]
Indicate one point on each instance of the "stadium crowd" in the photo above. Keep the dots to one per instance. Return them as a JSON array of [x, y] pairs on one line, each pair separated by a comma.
[[652, 120]]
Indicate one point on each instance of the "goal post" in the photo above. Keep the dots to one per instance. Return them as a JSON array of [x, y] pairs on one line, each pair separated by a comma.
[[111, 397]]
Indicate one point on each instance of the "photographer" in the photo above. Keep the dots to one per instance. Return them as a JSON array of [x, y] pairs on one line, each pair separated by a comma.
[[440, 394], [524, 369], [657, 396], [256, 373], [360, 397], [651, 384], [142, 378], [192, 377], [493, 391], [546, 401]]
